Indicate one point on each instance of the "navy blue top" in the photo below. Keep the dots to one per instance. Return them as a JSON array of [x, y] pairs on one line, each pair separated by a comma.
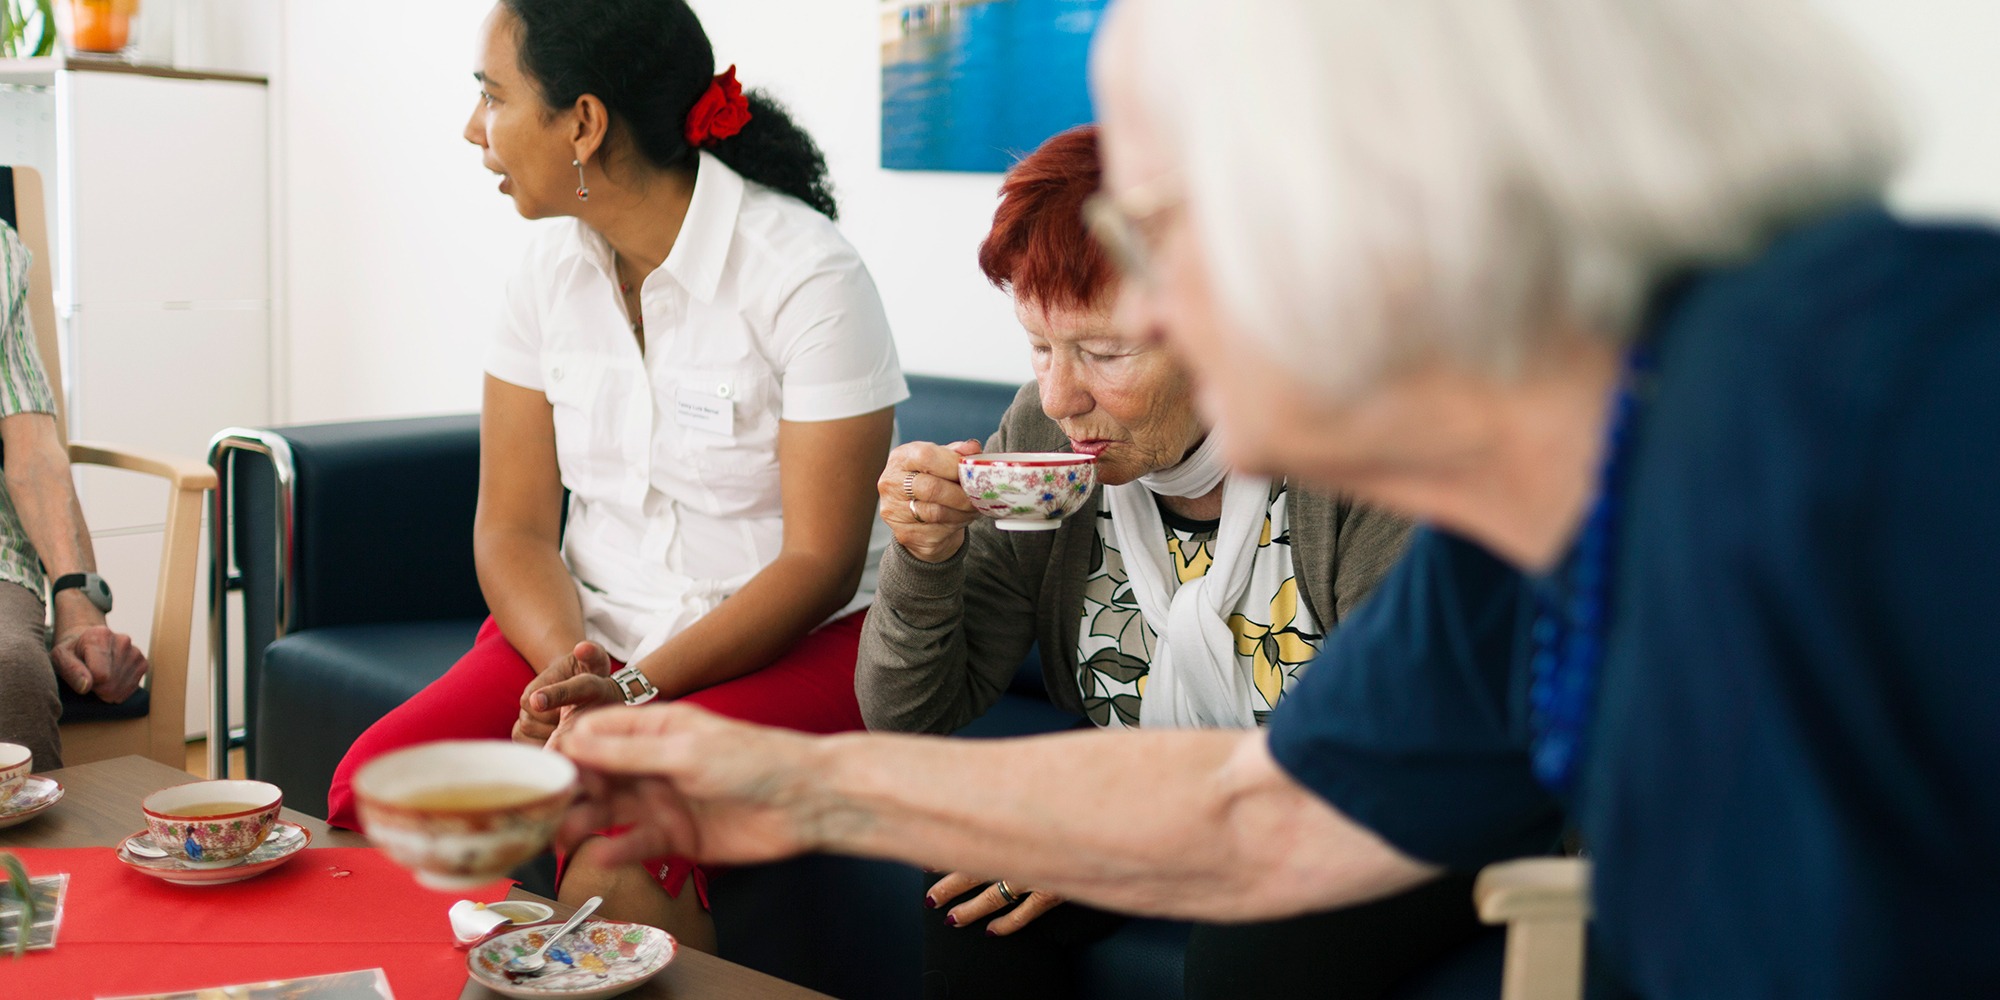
[[1791, 786]]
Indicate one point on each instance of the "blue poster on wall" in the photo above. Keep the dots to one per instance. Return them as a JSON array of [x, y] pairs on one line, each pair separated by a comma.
[[972, 85]]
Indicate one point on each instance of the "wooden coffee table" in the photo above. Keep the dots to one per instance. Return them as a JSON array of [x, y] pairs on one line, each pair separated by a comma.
[[100, 807]]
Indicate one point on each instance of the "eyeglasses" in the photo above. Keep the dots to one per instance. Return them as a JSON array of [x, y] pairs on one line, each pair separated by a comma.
[[1120, 228]]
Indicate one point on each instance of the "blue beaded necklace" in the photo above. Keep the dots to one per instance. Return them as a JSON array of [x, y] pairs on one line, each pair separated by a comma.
[[1573, 606]]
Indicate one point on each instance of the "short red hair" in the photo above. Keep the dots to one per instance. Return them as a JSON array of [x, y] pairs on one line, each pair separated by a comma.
[[1038, 248]]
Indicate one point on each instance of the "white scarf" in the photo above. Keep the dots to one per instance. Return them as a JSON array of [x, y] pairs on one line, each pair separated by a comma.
[[1194, 680]]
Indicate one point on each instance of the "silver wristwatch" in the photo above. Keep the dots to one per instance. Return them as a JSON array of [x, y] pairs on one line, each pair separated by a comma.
[[634, 685]]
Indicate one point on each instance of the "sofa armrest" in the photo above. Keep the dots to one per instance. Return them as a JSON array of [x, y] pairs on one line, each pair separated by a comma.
[[353, 523]]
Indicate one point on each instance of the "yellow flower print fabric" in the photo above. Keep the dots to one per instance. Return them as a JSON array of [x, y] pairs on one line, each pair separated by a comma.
[[1276, 635]]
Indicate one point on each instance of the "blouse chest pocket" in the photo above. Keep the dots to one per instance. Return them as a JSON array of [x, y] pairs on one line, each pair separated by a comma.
[[587, 404], [725, 420]]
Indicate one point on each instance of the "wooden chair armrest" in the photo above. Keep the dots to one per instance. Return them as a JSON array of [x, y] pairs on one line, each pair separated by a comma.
[[1533, 889], [183, 474]]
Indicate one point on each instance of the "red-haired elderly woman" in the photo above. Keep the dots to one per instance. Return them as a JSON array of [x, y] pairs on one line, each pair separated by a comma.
[[1117, 599]]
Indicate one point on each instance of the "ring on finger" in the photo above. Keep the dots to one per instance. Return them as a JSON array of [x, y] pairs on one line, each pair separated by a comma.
[[1006, 893], [913, 513], [910, 486]]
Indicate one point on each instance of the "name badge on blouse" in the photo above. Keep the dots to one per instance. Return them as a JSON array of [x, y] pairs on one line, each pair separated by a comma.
[[704, 411]]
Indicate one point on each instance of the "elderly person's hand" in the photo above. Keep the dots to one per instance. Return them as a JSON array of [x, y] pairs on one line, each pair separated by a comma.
[[690, 782], [921, 499], [96, 660], [577, 681], [1027, 903]]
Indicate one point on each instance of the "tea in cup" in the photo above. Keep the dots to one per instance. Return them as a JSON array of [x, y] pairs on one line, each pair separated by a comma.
[[463, 813], [15, 763], [212, 824]]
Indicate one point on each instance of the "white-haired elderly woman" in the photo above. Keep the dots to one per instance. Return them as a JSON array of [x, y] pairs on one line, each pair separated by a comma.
[[1601, 291]]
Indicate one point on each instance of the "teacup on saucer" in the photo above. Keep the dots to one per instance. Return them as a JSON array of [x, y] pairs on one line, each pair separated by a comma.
[[1027, 491], [463, 813], [210, 824], [140, 853]]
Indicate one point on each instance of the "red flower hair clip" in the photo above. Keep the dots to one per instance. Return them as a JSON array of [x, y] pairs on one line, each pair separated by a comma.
[[721, 112]]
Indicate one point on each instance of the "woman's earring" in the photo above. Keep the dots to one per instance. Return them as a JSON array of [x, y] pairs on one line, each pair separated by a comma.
[[582, 189]]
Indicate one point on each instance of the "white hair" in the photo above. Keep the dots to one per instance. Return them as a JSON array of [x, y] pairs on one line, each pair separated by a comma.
[[1377, 183]]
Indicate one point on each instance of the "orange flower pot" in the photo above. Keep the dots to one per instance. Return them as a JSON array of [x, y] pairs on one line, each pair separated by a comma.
[[101, 25]]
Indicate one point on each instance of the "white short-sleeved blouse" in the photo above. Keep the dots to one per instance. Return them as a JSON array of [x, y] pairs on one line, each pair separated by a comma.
[[762, 312]]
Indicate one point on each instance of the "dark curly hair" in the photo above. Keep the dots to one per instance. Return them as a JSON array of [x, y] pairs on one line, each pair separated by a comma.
[[649, 61]]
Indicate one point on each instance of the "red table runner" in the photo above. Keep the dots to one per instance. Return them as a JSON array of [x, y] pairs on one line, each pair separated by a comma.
[[328, 910]]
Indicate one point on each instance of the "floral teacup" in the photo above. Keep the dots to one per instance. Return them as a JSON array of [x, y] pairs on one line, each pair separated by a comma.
[[15, 763], [1027, 491], [212, 824]]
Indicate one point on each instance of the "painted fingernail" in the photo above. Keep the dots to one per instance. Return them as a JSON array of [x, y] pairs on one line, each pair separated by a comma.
[[951, 919], [990, 932], [930, 903]]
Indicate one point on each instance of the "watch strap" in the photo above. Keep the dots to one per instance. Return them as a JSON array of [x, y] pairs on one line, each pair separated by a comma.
[[634, 685]]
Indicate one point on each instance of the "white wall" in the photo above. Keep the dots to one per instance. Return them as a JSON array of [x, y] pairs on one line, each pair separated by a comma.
[[395, 243], [1940, 56], [394, 240]]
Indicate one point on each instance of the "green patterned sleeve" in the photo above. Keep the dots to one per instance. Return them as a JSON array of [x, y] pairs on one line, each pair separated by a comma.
[[24, 385]]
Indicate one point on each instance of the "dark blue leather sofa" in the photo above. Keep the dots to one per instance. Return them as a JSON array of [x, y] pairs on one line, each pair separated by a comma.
[[375, 597]]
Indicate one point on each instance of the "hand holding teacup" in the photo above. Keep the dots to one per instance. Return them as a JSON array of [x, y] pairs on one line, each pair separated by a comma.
[[922, 501]]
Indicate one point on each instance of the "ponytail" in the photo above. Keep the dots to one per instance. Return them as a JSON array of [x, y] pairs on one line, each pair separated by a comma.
[[651, 63]]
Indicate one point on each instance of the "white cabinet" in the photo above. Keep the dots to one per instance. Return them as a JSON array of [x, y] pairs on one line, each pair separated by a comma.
[[160, 190]]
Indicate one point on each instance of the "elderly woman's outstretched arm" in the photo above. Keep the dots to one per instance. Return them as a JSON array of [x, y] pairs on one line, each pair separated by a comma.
[[1201, 825]]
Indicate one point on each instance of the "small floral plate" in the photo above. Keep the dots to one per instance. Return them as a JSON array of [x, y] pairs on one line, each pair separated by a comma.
[[602, 958], [35, 794], [284, 843]]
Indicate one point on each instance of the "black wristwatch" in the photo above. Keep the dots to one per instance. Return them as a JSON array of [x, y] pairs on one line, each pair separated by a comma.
[[92, 585]]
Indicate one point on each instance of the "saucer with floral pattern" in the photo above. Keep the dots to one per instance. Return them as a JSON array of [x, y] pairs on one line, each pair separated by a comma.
[[601, 958], [35, 794], [284, 843]]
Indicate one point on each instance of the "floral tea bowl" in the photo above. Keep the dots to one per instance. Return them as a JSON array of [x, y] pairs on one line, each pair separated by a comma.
[[15, 763], [463, 813], [1027, 491], [212, 824]]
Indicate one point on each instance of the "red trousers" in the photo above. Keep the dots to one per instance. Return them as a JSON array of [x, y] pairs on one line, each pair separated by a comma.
[[810, 689]]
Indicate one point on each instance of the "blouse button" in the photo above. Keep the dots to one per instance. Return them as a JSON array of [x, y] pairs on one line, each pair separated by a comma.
[[556, 374], [722, 391]]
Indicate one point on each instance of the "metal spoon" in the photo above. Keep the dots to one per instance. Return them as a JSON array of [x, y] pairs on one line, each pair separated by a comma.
[[528, 965], [143, 847]]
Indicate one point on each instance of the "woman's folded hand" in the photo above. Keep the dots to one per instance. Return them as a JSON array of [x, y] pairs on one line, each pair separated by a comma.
[[577, 681]]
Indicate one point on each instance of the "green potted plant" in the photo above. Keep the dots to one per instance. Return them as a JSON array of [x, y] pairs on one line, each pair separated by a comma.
[[15, 18], [19, 889]]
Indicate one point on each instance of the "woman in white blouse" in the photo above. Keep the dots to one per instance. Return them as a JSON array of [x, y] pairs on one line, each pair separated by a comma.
[[702, 362]]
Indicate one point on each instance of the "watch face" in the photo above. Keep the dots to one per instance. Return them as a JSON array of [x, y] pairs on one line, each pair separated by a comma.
[[94, 589]]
